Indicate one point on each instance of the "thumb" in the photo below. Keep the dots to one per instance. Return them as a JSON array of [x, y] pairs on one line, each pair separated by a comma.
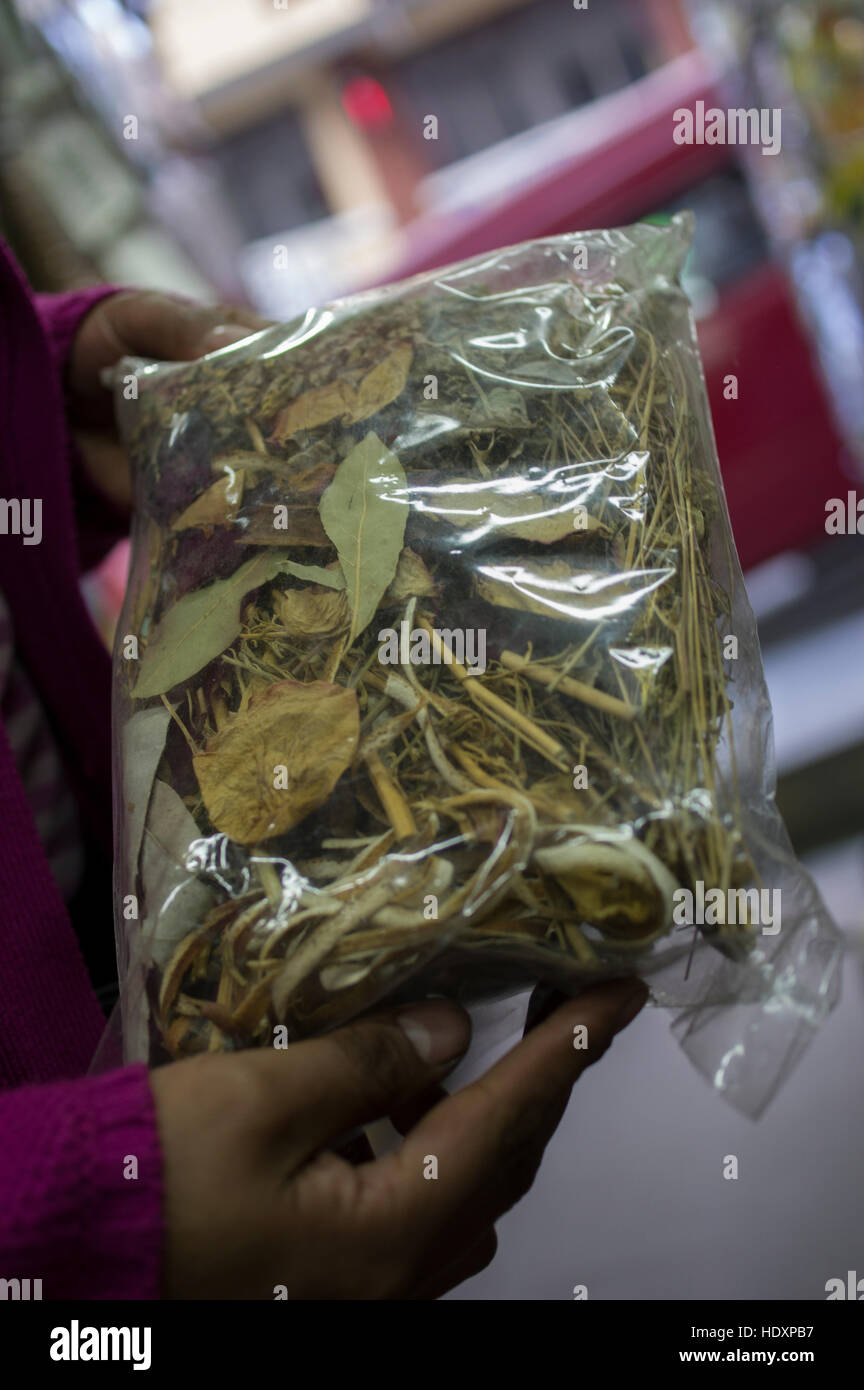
[[223, 335], [172, 329], [143, 323], [326, 1087]]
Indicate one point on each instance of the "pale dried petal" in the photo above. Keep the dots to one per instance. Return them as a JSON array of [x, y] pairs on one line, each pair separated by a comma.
[[269, 768]]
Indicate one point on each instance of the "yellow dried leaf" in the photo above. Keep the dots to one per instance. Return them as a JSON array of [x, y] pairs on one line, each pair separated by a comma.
[[491, 508], [322, 404], [532, 587], [314, 480], [383, 384], [271, 766], [315, 407], [216, 506], [313, 612], [556, 589], [412, 578]]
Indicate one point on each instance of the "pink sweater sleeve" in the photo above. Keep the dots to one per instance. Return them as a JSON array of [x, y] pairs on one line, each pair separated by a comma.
[[80, 1163], [80, 1174], [61, 315], [100, 523]]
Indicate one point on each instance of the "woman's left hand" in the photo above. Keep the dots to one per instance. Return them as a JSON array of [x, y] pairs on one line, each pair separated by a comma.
[[137, 323]]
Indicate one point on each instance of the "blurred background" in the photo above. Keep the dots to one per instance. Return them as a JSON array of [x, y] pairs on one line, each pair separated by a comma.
[[283, 152]]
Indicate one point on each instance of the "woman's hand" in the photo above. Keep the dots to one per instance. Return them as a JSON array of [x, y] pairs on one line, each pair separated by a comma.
[[140, 324], [257, 1201]]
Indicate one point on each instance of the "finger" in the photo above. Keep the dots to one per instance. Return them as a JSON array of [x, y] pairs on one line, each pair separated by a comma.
[[106, 464], [406, 1116], [174, 329], [489, 1138], [355, 1150], [165, 327], [543, 1002], [474, 1260], [323, 1088]]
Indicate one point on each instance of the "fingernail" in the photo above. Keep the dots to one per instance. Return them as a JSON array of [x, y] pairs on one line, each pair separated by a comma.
[[630, 1006], [223, 335], [439, 1032]]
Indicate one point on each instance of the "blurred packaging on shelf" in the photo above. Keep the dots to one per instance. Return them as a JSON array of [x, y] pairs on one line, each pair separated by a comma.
[[806, 57], [311, 138], [286, 153], [72, 201]]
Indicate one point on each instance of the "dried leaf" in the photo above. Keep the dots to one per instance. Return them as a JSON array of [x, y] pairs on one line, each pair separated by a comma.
[[313, 480], [384, 383], [502, 406], [556, 590], [240, 460], [528, 588], [143, 742], [200, 626], [309, 730], [217, 506], [364, 511], [496, 508], [312, 612], [315, 407], [330, 575], [412, 578], [174, 898], [303, 473], [342, 398]]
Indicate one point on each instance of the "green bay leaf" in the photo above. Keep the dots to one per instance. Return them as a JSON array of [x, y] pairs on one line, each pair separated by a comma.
[[200, 626], [364, 511], [316, 574]]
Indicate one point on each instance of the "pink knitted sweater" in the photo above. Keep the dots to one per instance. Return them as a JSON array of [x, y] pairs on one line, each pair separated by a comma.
[[71, 1214]]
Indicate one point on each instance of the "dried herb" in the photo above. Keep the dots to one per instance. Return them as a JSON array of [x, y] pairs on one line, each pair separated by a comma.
[[342, 399], [364, 512], [537, 469], [509, 508], [215, 507], [331, 575], [172, 898], [313, 611], [271, 765], [412, 577], [199, 627]]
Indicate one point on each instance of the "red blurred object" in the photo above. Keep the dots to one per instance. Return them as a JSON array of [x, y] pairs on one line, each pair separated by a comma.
[[779, 451], [366, 103]]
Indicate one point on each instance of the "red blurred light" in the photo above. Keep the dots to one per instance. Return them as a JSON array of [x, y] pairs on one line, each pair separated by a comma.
[[366, 103]]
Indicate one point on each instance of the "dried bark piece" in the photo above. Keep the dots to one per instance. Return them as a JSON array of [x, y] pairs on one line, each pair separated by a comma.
[[297, 526]]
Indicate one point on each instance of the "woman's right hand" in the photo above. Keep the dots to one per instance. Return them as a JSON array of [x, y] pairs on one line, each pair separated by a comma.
[[257, 1202]]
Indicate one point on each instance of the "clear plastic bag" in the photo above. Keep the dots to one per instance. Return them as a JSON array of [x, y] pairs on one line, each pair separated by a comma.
[[436, 672]]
